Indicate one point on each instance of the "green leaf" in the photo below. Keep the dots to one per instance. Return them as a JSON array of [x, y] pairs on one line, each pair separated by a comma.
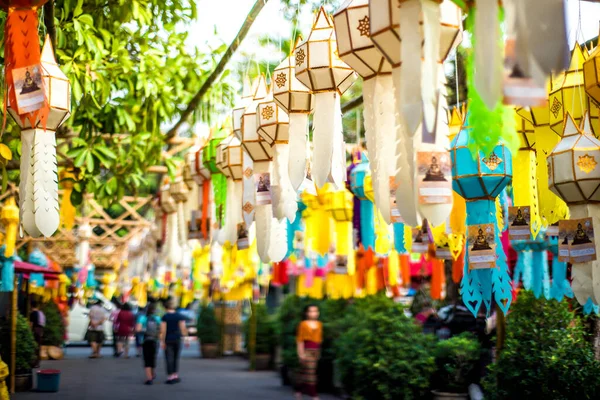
[[76, 198], [89, 162]]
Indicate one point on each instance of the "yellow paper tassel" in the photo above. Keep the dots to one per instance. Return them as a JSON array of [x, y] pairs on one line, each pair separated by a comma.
[[394, 268], [383, 241], [525, 190], [10, 220], [67, 210], [552, 208]]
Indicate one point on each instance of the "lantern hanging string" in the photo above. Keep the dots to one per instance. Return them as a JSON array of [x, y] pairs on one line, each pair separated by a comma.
[[456, 78], [295, 27]]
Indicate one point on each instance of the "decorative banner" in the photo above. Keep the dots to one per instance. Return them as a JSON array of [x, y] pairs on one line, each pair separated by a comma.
[[519, 223], [434, 177], [482, 246], [577, 241]]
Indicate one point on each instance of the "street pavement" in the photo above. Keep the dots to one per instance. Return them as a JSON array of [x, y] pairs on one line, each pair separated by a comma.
[[120, 379]]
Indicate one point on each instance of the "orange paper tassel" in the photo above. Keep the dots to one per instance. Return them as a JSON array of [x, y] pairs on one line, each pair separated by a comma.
[[438, 278], [458, 266], [405, 269], [205, 200]]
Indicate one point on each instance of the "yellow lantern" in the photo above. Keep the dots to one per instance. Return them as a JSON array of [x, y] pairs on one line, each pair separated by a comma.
[[591, 74], [340, 204]]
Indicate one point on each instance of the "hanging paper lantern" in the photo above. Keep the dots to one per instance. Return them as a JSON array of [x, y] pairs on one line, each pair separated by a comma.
[[256, 147], [357, 185], [221, 160], [319, 67], [209, 151], [574, 177], [358, 50], [591, 75], [240, 107], [232, 156], [297, 100], [480, 180], [197, 169]]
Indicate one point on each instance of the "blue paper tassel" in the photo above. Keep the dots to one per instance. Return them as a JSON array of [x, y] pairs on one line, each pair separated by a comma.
[[560, 285], [399, 243], [590, 307], [367, 224]]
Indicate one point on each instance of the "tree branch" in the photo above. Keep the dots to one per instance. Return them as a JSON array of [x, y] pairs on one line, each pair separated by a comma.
[[195, 102], [49, 22]]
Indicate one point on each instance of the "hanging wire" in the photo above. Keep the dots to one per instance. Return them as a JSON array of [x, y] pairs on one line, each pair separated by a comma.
[[295, 25], [456, 78]]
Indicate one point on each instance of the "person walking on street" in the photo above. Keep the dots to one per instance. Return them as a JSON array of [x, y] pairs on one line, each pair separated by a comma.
[[37, 320], [115, 326], [308, 340], [172, 329], [139, 336], [148, 329], [95, 332], [126, 325]]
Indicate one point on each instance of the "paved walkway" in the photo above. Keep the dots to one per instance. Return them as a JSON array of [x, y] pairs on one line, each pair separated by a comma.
[[120, 379]]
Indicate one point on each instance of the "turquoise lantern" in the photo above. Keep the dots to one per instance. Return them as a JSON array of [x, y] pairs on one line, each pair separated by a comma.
[[480, 178], [357, 185]]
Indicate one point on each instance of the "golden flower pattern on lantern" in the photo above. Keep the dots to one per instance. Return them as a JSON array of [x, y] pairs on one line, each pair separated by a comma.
[[267, 112], [300, 56], [492, 162], [248, 173], [280, 80], [363, 26], [248, 207], [587, 163], [556, 106]]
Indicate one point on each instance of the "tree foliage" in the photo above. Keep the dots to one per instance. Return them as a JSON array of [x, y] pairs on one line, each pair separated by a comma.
[[132, 71]]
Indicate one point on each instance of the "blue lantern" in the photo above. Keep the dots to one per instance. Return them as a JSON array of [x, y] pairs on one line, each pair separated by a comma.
[[480, 178], [357, 185]]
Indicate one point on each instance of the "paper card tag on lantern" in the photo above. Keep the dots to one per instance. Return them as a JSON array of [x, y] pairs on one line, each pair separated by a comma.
[[262, 183], [341, 264], [482, 246], [552, 230], [394, 212], [576, 241], [434, 177], [29, 88], [420, 239], [242, 236], [443, 253], [519, 223]]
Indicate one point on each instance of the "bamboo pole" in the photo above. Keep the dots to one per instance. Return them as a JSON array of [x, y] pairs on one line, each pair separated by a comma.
[[13, 335]]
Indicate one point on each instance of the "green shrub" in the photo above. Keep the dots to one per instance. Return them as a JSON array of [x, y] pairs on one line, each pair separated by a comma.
[[382, 354], [54, 331], [266, 336], [456, 360], [545, 355], [26, 346], [208, 328]]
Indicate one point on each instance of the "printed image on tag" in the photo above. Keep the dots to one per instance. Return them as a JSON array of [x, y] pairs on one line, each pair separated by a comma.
[[434, 177], [563, 241], [341, 264], [420, 239], [580, 238], [481, 245], [552, 230], [242, 236], [518, 223], [263, 188], [29, 88], [443, 253], [395, 213]]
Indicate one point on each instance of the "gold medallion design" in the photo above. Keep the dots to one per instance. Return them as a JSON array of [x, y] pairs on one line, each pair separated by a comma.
[[587, 163], [280, 80], [492, 162], [556, 106], [363, 26], [300, 56], [248, 173], [267, 112], [248, 207]]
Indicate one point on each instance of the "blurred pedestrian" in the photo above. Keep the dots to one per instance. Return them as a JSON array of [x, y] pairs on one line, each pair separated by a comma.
[[172, 330], [148, 329], [95, 333], [308, 342], [37, 320], [115, 326], [139, 336], [126, 326]]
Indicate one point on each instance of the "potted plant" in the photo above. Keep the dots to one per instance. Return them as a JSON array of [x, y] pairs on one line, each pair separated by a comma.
[[25, 356], [54, 332], [208, 332], [266, 337], [456, 360]]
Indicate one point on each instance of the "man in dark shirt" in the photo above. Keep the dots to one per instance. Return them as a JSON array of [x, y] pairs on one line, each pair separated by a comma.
[[37, 320]]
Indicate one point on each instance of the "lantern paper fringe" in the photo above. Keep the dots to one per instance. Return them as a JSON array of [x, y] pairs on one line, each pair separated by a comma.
[[590, 308], [263, 218], [299, 143], [327, 110], [284, 196], [525, 190], [249, 193], [431, 50], [26, 206], [488, 49], [399, 237], [45, 182], [560, 284], [586, 276], [277, 247]]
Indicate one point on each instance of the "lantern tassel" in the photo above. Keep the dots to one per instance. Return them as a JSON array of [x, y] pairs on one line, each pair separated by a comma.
[[299, 142], [408, 101], [277, 243], [263, 217], [45, 182], [327, 111], [431, 51], [488, 53], [248, 197], [284, 197], [560, 284], [586, 276], [26, 206], [405, 194]]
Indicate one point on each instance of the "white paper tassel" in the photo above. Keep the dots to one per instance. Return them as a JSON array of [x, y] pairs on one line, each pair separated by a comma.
[[216, 259], [45, 182], [369, 121], [263, 219], [327, 109], [405, 195], [410, 101], [181, 226], [283, 195], [173, 248], [249, 189], [431, 51], [338, 159], [299, 143], [385, 143], [26, 206], [586, 276], [278, 241], [488, 66]]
